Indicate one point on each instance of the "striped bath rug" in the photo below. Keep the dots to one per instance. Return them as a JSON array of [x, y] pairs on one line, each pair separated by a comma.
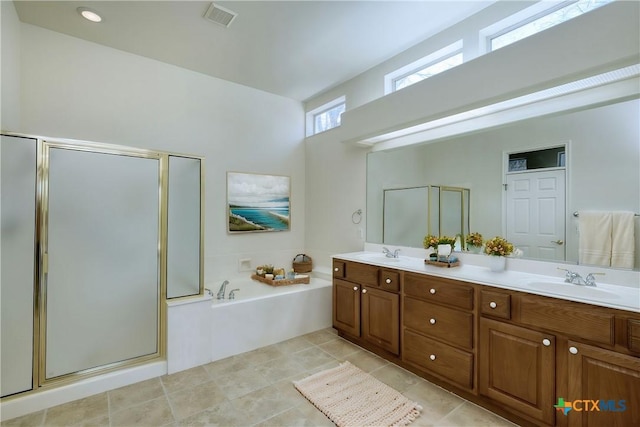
[[351, 397]]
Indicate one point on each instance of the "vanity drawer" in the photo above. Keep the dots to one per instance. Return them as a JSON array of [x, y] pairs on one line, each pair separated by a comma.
[[569, 318], [633, 328], [446, 324], [439, 290], [495, 304], [363, 274], [338, 269], [441, 359], [389, 280]]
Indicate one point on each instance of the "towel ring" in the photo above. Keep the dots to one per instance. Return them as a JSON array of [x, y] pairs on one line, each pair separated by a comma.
[[356, 217]]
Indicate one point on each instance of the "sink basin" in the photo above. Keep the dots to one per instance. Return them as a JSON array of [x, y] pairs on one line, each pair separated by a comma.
[[378, 258], [571, 290]]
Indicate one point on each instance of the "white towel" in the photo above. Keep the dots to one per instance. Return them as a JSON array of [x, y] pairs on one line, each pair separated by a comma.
[[622, 240], [594, 247]]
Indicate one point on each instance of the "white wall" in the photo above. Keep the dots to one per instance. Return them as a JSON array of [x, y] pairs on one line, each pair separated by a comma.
[[601, 40], [76, 89], [9, 66]]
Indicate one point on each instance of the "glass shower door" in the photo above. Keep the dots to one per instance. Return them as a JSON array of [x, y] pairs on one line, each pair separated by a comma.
[[102, 290], [17, 279]]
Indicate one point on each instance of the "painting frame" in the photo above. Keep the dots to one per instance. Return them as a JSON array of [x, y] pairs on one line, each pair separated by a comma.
[[258, 203]]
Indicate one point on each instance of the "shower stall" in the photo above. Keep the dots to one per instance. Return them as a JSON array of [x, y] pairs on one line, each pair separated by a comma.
[[95, 238]]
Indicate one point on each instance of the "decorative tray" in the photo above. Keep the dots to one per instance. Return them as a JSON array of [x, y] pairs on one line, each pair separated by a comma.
[[443, 264], [300, 278]]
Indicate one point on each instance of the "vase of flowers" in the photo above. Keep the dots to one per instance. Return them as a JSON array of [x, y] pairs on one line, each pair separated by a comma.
[[497, 249], [431, 241], [474, 242], [445, 247]]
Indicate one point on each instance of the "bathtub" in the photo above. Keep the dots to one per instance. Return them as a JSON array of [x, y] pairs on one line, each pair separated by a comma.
[[262, 315]]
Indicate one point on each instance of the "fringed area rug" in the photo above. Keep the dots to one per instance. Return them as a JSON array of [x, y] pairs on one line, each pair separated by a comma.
[[351, 397]]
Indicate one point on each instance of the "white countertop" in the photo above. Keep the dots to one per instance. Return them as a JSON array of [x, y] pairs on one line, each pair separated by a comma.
[[604, 294]]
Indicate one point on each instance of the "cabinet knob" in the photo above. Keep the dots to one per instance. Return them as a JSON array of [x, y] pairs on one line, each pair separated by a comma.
[[364, 291], [492, 304], [432, 291], [336, 269], [432, 321], [388, 281], [573, 350], [546, 342], [355, 288], [432, 357]]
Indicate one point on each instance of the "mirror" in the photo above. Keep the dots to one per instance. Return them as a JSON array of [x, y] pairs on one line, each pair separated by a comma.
[[601, 165]]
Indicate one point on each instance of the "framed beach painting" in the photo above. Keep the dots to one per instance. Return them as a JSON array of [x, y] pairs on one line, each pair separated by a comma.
[[258, 202]]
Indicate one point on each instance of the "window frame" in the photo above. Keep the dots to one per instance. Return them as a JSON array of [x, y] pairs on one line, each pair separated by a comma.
[[433, 58], [520, 19], [311, 115]]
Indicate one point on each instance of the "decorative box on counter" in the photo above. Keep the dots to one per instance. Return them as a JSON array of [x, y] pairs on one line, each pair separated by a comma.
[[445, 262], [298, 279]]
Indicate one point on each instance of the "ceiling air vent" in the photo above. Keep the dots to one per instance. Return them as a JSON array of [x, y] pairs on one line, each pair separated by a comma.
[[220, 15]]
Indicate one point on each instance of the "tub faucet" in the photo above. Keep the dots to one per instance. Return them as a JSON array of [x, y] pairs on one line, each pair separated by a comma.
[[232, 293], [220, 294]]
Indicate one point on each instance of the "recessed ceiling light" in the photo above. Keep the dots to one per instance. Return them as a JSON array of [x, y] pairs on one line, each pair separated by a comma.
[[89, 14]]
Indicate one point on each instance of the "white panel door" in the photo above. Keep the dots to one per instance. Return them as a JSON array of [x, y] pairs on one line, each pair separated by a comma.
[[536, 213]]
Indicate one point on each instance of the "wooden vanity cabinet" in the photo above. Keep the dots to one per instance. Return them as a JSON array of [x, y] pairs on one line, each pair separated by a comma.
[[517, 368], [599, 374], [437, 328], [534, 350], [366, 304]]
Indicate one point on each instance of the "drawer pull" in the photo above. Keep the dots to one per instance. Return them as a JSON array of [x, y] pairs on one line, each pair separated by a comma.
[[432, 357], [432, 321], [546, 342], [492, 304], [432, 291], [364, 291], [355, 288], [336, 269], [388, 281], [573, 350]]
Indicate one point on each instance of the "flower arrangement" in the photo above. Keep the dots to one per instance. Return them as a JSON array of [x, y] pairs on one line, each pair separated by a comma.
[[446, 240], [431, 241], [498, 246], [474, 239]]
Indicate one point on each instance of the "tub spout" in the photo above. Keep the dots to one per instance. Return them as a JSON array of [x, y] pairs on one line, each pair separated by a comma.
[[223, 287], [232, 293]]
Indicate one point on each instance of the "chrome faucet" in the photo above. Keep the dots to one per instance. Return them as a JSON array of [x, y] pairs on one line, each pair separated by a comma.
[[389, 254], [232, 293], [223, 287], [576, 279]]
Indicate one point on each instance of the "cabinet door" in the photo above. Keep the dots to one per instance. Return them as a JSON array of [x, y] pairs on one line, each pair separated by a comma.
[[517, 368], [381, 318], [346, 307], [610, 378]]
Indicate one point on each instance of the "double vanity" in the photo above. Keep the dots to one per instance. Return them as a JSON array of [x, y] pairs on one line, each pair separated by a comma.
[[514, 342]]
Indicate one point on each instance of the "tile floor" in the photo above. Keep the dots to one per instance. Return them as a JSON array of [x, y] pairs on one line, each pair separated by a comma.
[[255, 389]]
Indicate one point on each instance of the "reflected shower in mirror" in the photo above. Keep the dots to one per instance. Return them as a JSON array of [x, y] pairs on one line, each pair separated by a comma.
[[412, 213], [601, 165]]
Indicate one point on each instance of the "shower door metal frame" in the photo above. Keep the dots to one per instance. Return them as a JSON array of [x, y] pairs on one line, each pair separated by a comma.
[[42, 251], [43, 146]]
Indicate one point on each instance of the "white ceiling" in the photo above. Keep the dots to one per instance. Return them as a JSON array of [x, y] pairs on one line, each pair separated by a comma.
[[296, 49]]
